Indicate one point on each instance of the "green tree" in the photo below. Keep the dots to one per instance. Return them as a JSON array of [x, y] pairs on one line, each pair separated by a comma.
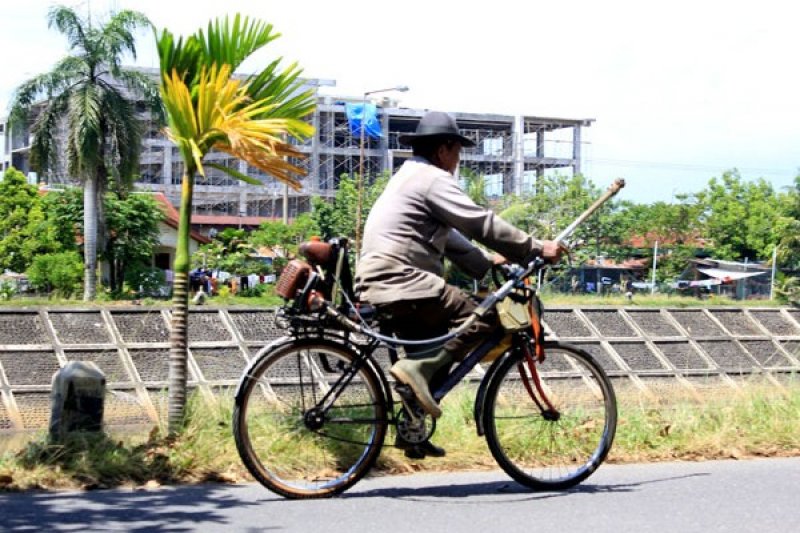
[[58, 272], [247, 117], [285, 238], [474, 186], [133, 234], [25, 231], [675, 226], [230, 251], [559, 201], [669, 223], [787, 228], [132, 222], [86, 91], [337, 218], [740, 217]]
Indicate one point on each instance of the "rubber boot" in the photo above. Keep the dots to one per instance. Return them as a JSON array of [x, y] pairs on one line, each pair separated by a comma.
[[419, 451], [417, 374]]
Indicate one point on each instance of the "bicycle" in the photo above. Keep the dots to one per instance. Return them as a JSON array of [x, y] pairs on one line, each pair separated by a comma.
[[313, 408]]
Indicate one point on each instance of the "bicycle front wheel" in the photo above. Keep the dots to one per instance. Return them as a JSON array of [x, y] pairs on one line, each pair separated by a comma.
[[549, 429], [310, 419]]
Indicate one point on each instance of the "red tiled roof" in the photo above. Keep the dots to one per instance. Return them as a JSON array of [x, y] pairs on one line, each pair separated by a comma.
[[648, 240], [173, 217], [230, 220]]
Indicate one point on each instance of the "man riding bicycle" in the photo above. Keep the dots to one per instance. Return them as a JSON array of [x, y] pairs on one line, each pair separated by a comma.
[[422, 217]]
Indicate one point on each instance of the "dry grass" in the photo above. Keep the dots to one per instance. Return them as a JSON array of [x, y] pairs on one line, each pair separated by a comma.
[[755, 419]]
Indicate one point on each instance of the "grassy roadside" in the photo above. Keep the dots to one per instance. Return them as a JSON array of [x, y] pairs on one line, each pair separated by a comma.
[[752, 421]]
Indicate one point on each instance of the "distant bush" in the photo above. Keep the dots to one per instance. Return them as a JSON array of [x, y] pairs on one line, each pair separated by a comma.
[[256, 291], [7, 290], [61, 273], [145, 280], [788, 290]]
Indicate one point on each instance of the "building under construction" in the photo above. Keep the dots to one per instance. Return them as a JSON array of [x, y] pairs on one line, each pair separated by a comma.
[[510, 152]]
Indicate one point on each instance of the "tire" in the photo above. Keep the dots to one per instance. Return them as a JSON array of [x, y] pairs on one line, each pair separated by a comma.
[[546, 452], [286, 449]]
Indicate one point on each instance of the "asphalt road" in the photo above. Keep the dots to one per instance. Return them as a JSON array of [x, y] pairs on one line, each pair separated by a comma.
[[747, 496]]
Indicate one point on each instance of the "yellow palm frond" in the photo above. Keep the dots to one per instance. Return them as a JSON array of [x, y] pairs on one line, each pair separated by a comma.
[[225, 119]]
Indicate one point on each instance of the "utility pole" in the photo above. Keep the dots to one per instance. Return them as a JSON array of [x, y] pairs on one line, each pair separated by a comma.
[[774, 267], [655, 265], [286, 203], [360, 184]]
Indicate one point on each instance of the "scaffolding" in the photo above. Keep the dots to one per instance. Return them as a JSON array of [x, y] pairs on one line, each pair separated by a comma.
[[511, 153]]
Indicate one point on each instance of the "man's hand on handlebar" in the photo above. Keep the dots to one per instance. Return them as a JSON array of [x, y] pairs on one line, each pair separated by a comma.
[[552, 251]]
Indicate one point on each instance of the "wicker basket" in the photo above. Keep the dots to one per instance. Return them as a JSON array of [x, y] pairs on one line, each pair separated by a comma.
[[293, 278]]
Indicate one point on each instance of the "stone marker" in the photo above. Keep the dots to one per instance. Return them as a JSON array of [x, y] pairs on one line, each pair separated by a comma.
[[77, 399]]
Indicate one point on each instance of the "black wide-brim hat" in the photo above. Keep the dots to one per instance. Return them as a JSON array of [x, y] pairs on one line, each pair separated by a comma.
[[435, 124]]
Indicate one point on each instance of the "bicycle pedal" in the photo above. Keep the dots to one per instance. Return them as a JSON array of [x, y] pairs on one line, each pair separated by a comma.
[[410, 403], [405, 392]]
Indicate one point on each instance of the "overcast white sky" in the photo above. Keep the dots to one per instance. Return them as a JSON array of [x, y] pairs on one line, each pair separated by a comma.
[[680, 90]]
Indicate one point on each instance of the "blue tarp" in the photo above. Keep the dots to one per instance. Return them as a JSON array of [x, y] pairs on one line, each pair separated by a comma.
[[369, 114]]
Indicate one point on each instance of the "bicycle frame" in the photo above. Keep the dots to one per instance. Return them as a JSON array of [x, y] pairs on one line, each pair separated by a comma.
[[471, 361], [365, 358]]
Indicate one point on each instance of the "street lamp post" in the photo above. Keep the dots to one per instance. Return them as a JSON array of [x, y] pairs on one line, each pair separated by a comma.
[[360, 186]]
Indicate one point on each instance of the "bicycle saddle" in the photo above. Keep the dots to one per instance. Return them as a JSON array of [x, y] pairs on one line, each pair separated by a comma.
[[317, 252]]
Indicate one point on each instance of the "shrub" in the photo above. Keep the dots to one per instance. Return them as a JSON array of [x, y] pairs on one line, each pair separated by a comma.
[[7, 290], [145, 280], [61, 272], [256, 291], [788, 290]]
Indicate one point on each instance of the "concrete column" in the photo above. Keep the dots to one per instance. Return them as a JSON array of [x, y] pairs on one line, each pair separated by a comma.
[[518, 152], [167, 165], [539, 159], [313, 174], [384, 143], [243, 189], [286, 203], [576, 150]]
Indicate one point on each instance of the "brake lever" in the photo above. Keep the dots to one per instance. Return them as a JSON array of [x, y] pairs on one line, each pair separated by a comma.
[[506, 270], [510, 270]]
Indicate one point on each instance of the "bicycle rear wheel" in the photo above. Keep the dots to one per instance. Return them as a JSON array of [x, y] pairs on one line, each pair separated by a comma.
[[310, 419], [557, 445]]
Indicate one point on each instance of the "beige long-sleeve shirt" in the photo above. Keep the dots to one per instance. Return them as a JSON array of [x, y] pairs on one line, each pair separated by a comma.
[[422, 217]]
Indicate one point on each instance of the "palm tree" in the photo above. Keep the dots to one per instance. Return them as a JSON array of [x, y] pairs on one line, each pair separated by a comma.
[[85, 90], [475, 186], [248, 117]]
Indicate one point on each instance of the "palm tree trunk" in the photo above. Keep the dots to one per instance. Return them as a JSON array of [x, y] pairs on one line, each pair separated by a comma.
[[90, 239], [100, 193], [178, 339]]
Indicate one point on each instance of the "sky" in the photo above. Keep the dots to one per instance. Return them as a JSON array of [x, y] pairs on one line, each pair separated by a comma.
[[680, 91]]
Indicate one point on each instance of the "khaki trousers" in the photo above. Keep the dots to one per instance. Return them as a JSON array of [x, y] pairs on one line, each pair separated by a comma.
[[433, 317]]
